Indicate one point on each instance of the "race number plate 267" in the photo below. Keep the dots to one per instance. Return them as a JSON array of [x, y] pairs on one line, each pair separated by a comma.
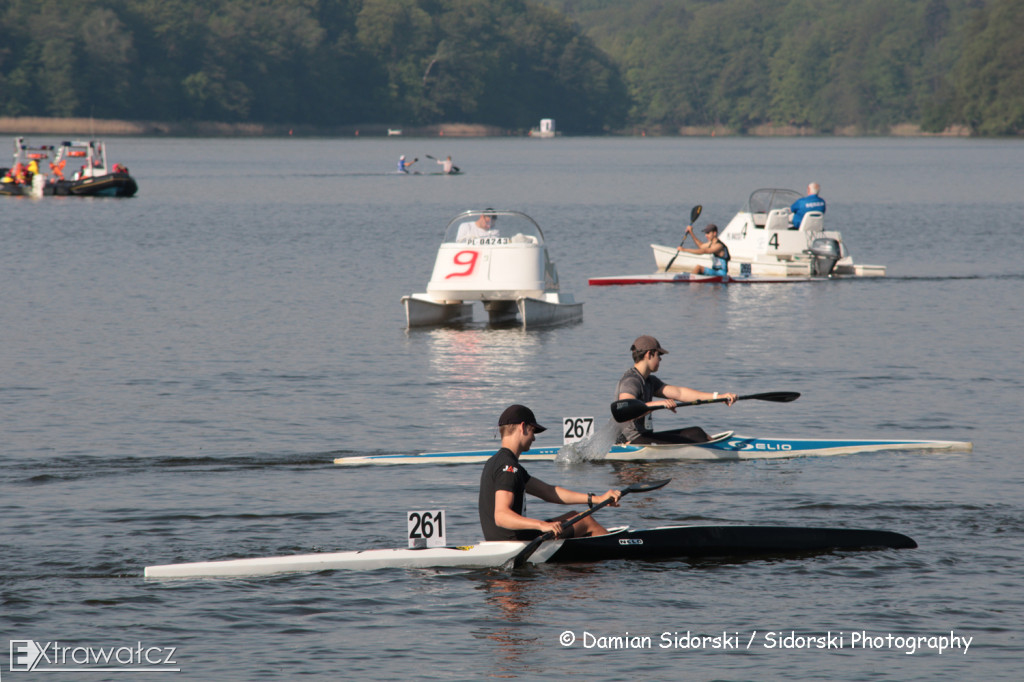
[[426, 529], [576, 428]]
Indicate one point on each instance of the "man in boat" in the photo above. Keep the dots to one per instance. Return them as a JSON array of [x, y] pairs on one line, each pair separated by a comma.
[[803, 205], [446, 165], [481, 227], [403, 165], [504, 483], [639, 383], [719, 252]]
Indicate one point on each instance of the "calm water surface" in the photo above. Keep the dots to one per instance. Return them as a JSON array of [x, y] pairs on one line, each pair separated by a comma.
[[180, 369]]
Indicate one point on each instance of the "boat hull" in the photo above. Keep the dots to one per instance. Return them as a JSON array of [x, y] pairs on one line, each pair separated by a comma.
[[668, 542], [482, 555], [113, 185], [423, 311], [797, 266], [727, 449], [110, 185], [690, 278], [551, 309], [672, 542]]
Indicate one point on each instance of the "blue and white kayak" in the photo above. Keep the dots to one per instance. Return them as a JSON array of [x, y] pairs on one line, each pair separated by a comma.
[[724, 446]]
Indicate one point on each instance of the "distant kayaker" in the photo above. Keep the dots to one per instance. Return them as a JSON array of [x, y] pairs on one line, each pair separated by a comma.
[[719, 252], [504, 483], [639, 383], [446, 165], [803, 205], [481, 227], [403, 165]]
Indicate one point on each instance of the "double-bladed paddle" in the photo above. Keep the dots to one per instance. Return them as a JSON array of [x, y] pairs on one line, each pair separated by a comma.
[[694, 214], [625, 410], [521, 558]]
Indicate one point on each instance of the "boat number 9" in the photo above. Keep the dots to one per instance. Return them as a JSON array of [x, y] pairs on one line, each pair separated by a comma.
[[466, 259], [576, 428], [426, 529]]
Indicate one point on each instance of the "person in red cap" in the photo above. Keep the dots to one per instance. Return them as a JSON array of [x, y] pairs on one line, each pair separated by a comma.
[[504, 483], [639, 383]]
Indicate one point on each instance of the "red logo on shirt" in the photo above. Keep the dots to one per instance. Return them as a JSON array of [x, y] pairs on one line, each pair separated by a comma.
[[509, 469]]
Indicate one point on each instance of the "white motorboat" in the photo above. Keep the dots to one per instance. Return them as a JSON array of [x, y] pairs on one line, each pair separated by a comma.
[[546, 129], [500, 259], [762, 242]]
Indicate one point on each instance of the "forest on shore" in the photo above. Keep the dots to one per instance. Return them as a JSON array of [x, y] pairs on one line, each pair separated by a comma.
[[597, 66]]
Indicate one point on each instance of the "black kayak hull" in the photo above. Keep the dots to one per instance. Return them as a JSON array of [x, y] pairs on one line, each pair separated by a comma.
[[724, 541]]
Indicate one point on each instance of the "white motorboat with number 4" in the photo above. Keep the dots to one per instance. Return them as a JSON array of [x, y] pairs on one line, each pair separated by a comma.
[[762, 242], [500, 259]]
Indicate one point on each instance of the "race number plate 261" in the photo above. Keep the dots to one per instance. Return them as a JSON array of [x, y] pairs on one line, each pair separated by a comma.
[[426, 529]]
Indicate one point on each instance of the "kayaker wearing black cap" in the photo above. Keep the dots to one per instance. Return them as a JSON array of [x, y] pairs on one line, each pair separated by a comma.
[[639, 383], [504, 482]]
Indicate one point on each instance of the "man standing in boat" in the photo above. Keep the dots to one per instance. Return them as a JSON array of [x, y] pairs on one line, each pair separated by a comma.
[[719, 252], [504, 483], [804, 205], [639, 383]]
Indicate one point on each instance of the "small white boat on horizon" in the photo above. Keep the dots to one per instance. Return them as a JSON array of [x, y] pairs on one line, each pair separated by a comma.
[[762, 242], [500, 259], [546, 129]]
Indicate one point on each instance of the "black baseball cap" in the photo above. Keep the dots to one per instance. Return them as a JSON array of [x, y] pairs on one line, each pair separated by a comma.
[[520, 414]]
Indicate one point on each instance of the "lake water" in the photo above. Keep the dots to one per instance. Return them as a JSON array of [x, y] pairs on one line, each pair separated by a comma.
[[180, 369]]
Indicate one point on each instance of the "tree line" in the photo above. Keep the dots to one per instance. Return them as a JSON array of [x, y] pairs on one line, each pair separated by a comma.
[[595, 65], [318, 62], [822, 64]]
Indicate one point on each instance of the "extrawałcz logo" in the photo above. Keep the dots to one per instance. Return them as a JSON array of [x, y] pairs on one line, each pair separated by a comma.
[[28, 656]]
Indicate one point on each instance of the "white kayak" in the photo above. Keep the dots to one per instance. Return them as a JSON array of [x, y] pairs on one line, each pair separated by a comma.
[[690, 278], [666, 542], [482, 555], [724, 446]]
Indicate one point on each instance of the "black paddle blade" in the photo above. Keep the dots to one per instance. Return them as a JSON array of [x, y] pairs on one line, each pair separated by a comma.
[[776, 397], [627, 410], [694, 214], [646, 487]]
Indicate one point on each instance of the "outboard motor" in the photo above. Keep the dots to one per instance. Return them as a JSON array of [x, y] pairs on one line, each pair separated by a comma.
[[826, 252]]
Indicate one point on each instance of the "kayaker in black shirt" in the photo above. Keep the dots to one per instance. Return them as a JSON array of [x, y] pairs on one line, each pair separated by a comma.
[[504, 483]]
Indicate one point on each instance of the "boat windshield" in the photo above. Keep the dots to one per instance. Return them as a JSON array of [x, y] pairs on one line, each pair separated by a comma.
[[491, 226], [767, 200]]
